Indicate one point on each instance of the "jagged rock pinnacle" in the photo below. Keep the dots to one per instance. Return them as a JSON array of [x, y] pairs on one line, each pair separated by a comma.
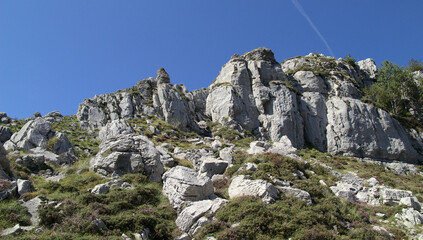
[[258, 54], [162, 76]]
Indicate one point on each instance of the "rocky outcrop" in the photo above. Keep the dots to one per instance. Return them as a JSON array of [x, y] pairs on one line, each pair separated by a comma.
[[54, 116], [114, 129], [249, 93], [361, 130], [125, 104], [312, 100], [368, 66], [34, 133], [171, 103], [370, 191], [182, 184], [128, 154], [152, 96], [37, 133], [4, 118]]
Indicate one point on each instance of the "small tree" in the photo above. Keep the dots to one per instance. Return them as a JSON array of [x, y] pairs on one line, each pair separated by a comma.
[[395, 90], [415, 65]]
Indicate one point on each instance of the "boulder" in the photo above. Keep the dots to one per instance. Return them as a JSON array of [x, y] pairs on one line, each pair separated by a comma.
[[393, 196], [105, 187], [410, 217], [128, 154], [182, 184], [295, 192], [283, 147], [24, 186], [187, 220], [7, 188], [61, 144], [211, 166], [241, 185], [226, 154], [411, 202], [33, 134], [258, 147]]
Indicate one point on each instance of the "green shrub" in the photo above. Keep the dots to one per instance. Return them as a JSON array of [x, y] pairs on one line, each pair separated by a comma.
[[12, 213]]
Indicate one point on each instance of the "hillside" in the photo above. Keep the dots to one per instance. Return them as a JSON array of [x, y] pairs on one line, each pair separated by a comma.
[[310, 148]]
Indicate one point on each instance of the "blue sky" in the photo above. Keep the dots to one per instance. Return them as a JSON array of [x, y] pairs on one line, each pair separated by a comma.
[[54, 54]]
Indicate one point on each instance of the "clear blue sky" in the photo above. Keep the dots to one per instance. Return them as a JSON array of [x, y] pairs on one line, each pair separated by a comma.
[[54, 54]]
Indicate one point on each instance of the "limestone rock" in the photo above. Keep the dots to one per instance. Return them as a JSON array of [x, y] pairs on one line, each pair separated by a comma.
[[213, 166], [7, 189], [310, 82], [172, 105], [16, 229], [37, 133], [283, 147], [24, 186], [33, 134], [390, 195], [195, 210], [129, 103], [410, 217], [62, 144], [32, 206], [54, 116], [295, 192], [369, 67], [162, 76], [258, 147], [358, 129], [182, 184], [105, 187], [4, 118], [5, 134], [411, 202], [114, 129], [128, 154], [242, 186], [248, 93]]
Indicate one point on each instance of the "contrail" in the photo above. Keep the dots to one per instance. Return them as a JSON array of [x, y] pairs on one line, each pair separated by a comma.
[[301, 10]]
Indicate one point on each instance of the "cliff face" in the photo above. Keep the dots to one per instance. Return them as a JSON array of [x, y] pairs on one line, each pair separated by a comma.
[[313, 100]]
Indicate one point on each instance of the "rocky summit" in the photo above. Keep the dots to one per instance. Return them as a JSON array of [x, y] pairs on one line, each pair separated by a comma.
[[309, 148]]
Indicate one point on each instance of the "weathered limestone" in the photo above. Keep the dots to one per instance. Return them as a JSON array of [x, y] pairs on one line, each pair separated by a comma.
[[182, 184], [128, 154], [241, 185]]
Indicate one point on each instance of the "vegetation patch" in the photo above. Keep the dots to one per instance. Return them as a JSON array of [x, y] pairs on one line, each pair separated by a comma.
[[12, 213]]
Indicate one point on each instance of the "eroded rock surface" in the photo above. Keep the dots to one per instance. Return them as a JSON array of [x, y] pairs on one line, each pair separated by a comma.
[[128, 154]]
